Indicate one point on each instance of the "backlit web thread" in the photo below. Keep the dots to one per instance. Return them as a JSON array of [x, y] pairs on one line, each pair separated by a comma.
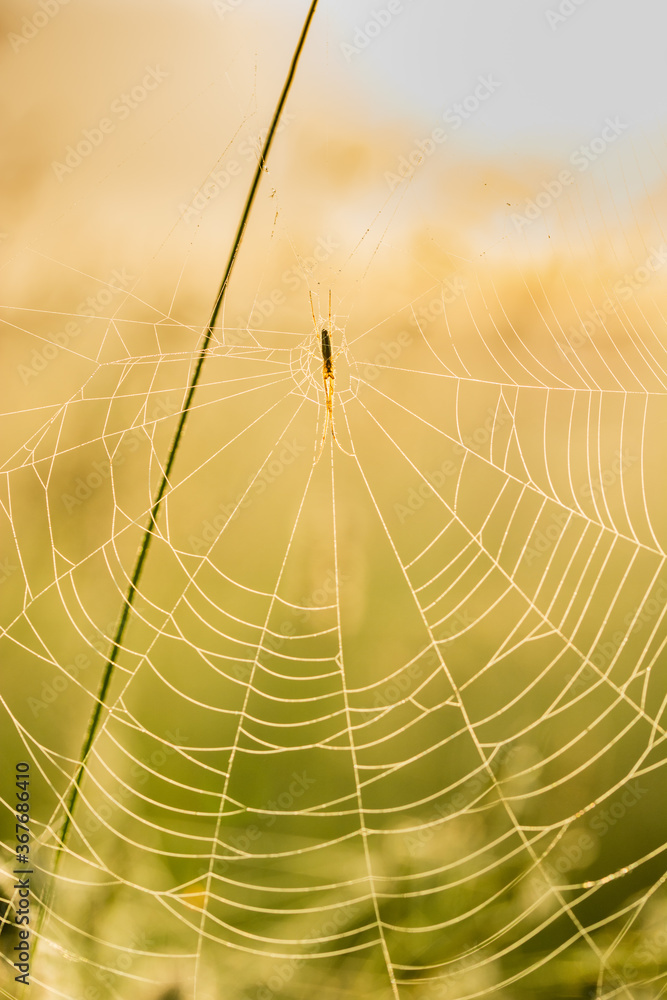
[[439, 577], [266, 836]]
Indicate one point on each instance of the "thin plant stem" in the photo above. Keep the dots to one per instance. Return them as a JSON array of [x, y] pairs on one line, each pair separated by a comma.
[[159, 496]]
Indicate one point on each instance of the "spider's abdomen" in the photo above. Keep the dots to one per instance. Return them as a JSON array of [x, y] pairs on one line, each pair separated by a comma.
[[326, 346]]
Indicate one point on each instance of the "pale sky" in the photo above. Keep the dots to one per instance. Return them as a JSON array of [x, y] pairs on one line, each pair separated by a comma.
[[560, 81]]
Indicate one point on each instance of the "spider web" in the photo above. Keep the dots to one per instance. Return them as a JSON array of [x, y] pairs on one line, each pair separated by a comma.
[[386, 722]]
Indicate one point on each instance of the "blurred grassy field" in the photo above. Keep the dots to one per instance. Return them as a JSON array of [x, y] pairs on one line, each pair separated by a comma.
[[480, 436]]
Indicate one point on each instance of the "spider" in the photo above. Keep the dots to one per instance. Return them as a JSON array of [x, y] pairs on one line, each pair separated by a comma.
[[328, 378]]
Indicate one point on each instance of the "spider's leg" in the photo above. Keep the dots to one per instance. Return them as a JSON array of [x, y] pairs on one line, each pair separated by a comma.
[[312, 310], [331, 418], [329, 394], [327, 416]]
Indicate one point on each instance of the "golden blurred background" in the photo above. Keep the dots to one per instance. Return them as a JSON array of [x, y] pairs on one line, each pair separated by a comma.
[[387, 722]]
